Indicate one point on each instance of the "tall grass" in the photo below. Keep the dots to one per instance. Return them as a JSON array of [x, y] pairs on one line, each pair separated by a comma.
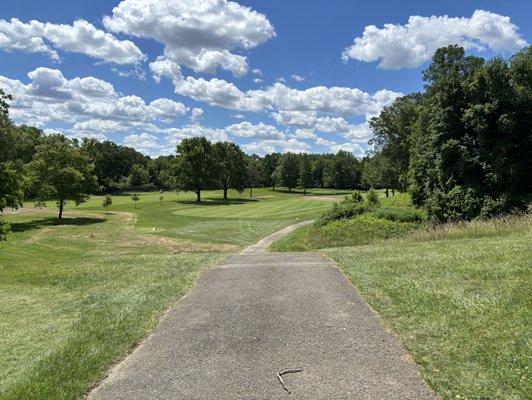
[[516, 223]]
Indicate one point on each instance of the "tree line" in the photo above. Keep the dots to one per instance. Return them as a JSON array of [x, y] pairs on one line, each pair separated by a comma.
[[42, 167], [462, 148]]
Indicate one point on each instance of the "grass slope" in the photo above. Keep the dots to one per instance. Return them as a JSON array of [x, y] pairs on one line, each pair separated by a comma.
[[76, 295], [459, 299], [386, 222]]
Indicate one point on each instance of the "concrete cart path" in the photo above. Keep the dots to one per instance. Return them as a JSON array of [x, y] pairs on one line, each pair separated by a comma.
[[258, 314], [262, 245]]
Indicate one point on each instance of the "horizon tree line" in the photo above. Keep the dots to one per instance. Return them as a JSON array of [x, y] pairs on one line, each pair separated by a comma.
[[462, 148]]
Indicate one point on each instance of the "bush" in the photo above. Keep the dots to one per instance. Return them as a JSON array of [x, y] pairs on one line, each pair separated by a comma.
[[400, 214], [4, 229], [372, 197], [346, 209], [357, 197], [493, 207]]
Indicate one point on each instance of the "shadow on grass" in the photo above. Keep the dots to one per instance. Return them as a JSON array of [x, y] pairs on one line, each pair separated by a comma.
[[53, 221], [217, 202]]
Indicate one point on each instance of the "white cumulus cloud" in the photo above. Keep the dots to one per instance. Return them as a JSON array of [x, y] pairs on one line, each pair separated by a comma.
[[200, 34], [81, 37], [408, 46]]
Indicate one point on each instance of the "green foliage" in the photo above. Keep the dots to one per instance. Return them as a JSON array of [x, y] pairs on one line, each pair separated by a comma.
[[11, 190], [287, 171], [60, 171], [372, 198], [463, 147], [135, 197], [343, 210], [196, 167], [357, 197], [4, 229], [139, 176], [354, 231], [253, 173], [305, 173], [342, 171], [269, 164], [392, 128], [400, 214], [483, 139], [107, 201], [113, 164], [356, 221], [231, 166]]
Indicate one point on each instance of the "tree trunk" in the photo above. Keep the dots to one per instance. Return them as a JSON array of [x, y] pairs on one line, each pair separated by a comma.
[[289, 189], [250, 191], [304, 191], [273, 187], [61, 207], [225, 192], [387, 193], [393, 192], [198, 196]]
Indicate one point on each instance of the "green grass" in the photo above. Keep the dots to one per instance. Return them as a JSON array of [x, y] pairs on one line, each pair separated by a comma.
[[395, 217], [77, 295], [459, 299]]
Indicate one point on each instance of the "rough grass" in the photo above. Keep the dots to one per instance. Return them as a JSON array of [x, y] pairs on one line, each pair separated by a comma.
[[394, 218], [77, 294], [459, 298]]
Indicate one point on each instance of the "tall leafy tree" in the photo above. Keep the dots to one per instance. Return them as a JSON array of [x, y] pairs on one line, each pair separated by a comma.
[[287, 171], [318, 166], [11, 180], [11, 193], [253, 175], [470, 153], [197, 169], [139, 176], [343, 171], [305, 173], [269, 164], [379, 172], [231, 165], [60, 171], [113, 164], [392, 129]]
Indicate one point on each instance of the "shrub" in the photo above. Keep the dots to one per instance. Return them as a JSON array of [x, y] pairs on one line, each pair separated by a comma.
[[346, 209], [357, 197], [400, 214], [372, 197]]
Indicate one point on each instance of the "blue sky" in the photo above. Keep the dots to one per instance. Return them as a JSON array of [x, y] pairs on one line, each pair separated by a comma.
[[270, 75]]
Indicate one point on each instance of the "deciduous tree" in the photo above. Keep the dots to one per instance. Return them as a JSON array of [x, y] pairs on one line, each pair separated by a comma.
[[231, 166], [197, 169], [60, 171], [287, 171]]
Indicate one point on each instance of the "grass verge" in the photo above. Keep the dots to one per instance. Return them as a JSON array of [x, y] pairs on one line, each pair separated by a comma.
[[459, 299]]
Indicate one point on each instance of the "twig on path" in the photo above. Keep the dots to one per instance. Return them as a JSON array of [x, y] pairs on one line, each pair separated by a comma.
[[286, 371]]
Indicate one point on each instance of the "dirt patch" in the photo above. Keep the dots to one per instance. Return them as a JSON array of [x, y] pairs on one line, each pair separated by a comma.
[[24, 210]]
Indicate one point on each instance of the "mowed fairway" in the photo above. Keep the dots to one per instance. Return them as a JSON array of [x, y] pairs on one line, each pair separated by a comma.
[[77, 295]]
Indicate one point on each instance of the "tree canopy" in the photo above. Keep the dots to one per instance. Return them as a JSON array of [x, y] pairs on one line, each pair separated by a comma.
[[196, 168], [231, 166], [60, 171]]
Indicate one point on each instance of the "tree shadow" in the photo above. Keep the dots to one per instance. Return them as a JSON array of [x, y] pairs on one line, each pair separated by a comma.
[[53, 221], [217, 202]]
